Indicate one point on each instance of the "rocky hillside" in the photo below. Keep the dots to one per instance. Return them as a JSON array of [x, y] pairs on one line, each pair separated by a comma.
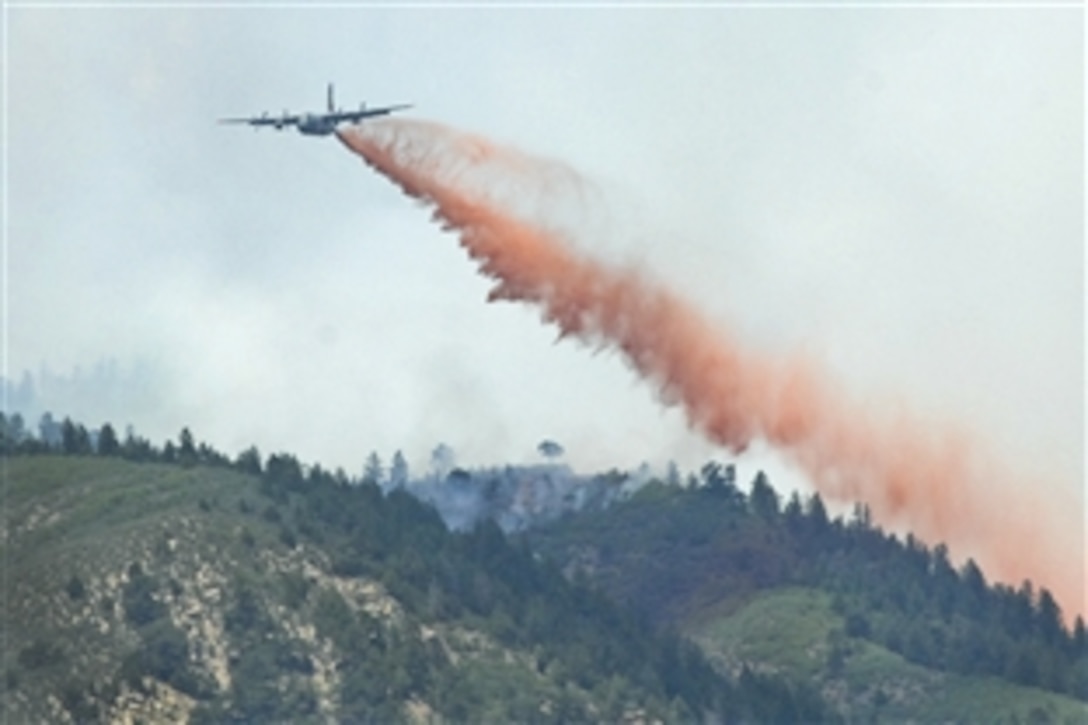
[[263, 591]]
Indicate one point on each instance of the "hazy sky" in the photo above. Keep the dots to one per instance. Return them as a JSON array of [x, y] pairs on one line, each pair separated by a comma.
[[899, 192]]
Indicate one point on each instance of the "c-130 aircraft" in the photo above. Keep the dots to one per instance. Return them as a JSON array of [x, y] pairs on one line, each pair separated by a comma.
[[316, 124]]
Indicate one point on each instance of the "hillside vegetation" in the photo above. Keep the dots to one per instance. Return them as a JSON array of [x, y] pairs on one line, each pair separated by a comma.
[[173, 583], [882, 627], [188, 587]]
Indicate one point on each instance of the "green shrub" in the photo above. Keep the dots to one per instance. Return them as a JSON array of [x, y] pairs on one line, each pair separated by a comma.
[[295, 588], [137, 598], [40, 653], [75, 588]]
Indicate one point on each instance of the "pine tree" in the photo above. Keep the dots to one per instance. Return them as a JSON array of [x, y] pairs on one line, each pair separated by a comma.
[[69, 444], [49, 431], [398, 471], [249, 461], [186, 449], [1050, 618], [108, 445], [373, 471], [817, 516], [763, 499], [1080, 637]]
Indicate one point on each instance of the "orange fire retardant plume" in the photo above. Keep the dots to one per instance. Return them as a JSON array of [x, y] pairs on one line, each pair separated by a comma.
[[931, 479]]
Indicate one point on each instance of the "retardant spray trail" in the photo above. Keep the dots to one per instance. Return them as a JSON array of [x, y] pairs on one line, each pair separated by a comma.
[[929, 479]]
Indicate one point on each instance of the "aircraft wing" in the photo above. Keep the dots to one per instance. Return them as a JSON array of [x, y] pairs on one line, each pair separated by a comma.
[[354, 116], [277, 121]]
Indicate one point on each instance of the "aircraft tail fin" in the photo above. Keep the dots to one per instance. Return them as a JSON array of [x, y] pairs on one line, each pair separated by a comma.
[[329, 100]]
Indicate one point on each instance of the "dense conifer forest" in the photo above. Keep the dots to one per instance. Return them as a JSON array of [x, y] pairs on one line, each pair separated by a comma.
[[718, 543]]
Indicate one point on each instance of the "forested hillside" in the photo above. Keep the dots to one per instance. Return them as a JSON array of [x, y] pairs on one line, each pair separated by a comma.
[[175, 583], [699, 557]]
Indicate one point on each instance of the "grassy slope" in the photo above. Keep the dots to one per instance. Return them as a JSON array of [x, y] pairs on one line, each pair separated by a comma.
[[57, 505], [91, 519], [794, 631], [95, 516]]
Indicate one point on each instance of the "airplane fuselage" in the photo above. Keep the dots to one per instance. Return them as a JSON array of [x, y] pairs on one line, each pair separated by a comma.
[[313, 125]]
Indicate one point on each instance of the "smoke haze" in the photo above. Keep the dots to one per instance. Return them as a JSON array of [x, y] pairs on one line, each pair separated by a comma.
[[931, 477]]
